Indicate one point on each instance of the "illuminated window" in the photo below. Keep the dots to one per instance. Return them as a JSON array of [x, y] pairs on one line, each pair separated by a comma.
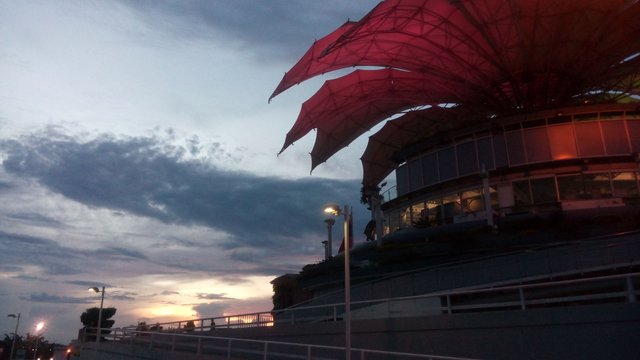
[[634, 134], [563, 142], [471, 201], [451, 206], [585, 186], [393, 221], [434, 208], [589, 139], [615, 137], [405, 218], [419, 215], [597, 186], [625, 184], [570, 187]]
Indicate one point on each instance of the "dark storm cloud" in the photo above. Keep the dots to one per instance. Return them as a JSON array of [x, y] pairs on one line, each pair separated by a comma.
[[168, 292], [55, 259], [203, 296], [122, 297], [34, 219], [119, 253], [5, 186], [21, 249], [285, 25], [87, 284], [148, 177], [47, 298]]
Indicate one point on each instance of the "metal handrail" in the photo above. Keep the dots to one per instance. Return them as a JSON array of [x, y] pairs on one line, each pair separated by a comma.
[[292, 315], [514, 297], [131, 336]]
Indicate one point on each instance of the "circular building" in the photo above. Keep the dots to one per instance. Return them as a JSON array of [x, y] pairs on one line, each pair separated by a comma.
[[492, 109]]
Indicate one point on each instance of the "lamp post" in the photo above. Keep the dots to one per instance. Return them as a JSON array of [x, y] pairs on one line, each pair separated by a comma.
[[15, 335], [99, 327], [39, 327], [329, 252], [346, 212]]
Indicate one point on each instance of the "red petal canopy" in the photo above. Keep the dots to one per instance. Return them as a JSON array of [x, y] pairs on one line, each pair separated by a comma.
[[496, 56], [346, 107], [378, 158], [310, 63]]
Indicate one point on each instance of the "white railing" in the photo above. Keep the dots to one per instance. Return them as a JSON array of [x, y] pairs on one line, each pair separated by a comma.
[[175, 336], [614, 288], [234, 348], [574, 292], [189, 336]]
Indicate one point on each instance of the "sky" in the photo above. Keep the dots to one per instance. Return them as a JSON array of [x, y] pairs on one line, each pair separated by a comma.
[[138, 152]]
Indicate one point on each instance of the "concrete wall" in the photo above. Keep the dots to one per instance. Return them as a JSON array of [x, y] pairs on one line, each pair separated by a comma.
[[607, 331], [550, 262]]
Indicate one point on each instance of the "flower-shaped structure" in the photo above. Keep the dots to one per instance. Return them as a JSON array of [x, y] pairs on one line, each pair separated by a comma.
[[448, 64]]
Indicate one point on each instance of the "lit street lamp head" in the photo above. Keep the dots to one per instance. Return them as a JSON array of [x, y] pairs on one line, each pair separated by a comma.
[[332, 209], [39, 326], [93, 288]]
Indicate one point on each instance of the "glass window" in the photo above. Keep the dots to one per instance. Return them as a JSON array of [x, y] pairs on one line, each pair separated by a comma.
[[522, 192], [485, 153], [543, 190], [634, 134], [597, 186], [571, 187], [610, 115], [536, 144], [393, 221], [471, 201], [624, 184], [405, 217], [515, 147], [493, 193], [402, 179], [434, 211], [500, 150], [615, 137], [415, 174], [467, 159], [589, 139], [419, 215], [563, 142], [447, 164], [632, 114], [430, 169], [451, 207]]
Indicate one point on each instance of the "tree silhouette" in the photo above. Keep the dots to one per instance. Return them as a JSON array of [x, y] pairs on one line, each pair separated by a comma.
[[89, 319], [27, 344]]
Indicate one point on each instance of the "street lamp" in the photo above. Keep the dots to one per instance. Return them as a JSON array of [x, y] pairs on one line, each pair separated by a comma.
[[329, 243], [39, 327], [346, 212], [99, 329], [15, 334]]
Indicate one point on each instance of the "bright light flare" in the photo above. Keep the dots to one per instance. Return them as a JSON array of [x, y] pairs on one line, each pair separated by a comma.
[[332, 209]]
